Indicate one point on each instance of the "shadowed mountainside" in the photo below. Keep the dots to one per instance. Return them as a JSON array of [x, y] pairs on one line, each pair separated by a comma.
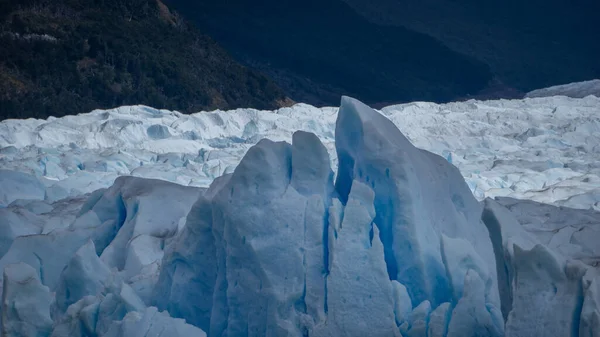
[[527, 44], [317, 50], [65, 57]]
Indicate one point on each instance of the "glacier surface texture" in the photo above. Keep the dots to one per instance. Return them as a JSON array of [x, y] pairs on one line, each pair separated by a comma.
[[304, 221]]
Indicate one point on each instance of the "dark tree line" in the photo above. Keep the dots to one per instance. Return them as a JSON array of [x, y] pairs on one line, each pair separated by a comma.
[[65, 57]]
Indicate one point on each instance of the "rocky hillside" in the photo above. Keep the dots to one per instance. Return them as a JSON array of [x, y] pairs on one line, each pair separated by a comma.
[[63, 57]]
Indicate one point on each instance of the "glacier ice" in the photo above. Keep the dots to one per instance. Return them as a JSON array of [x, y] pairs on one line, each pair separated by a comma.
[[357, 276], [278, 248], [25, 303], [573, 233], [150, 322], [542, 292], [98, 315], [541, 149], [541, 277], [191, 259], [438, 321], [259, 217], [89, 291], [365, 236], [471, 316], [419, 320], [16, 185], [402, 302], [79, 320], [47, 253], [15, 222], [84, 275], [93, 300], [409, 183], [505, 232], [575, 90], [589, 325], [129, 226]]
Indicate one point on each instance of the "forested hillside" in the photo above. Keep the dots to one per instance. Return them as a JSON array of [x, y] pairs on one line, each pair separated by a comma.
[[62, 57]]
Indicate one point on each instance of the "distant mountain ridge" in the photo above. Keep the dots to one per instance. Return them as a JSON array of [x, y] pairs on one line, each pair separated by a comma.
[[406, 50], [69, 56], [64, 57], [527, 44], [318, 50]]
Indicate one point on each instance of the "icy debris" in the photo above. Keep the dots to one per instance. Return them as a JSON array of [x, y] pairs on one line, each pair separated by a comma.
[[46, 253], [95, 315], [36, 207], [25, 303], [85, 275], [547, 294], [543, 293], [79, 320], [573, 233], [439, 320], [16, 185], [472, 316], [141, 206], [150, 322], [131, 222], [30, 217], [90, 297], [419, 319], [15, 222], [89, 294], [589, 325]]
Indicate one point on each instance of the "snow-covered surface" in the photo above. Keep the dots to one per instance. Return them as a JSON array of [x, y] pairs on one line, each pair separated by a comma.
[[574, 90], [542, 149], [25, 303], [573, 233], [345, 230]]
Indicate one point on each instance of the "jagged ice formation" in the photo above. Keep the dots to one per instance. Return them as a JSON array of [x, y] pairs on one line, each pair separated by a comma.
[[393, 243]]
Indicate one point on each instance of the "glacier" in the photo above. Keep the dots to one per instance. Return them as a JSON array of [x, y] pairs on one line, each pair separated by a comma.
[[575, 90], [541, 149], [280, 249], [304, 221]]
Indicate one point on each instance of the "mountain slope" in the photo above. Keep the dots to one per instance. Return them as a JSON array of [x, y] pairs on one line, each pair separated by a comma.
[[319, 49], [71, 56], [527, 44]]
